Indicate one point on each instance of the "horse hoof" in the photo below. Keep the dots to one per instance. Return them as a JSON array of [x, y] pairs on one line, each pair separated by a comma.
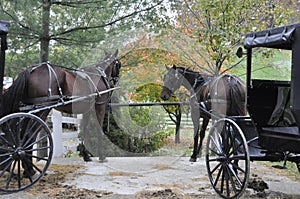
[[87, 159], [28, 173], [102, 160], [193, 159]]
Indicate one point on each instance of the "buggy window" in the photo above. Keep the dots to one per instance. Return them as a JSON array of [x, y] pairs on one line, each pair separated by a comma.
[[271, 64]]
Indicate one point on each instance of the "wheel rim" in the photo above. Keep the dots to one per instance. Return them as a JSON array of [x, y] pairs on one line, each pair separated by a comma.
[[23, 139], [227, 159]]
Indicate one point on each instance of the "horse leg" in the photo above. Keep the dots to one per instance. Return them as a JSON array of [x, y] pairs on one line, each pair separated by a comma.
[[100, 113], [83, 152], [202, 135], [195, 119], [27, 164]]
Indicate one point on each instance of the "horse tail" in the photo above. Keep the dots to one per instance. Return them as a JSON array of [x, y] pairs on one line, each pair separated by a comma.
[[13, 96], [237, 94]]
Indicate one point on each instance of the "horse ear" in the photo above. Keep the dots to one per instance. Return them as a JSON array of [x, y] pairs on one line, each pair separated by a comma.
[[116, 53], [174, 67], [167, 67], [106, 53]]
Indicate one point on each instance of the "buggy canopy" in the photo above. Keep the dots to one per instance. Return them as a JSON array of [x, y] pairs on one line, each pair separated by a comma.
[[281, 38], [3, 46], [4, 27], [285, 37]]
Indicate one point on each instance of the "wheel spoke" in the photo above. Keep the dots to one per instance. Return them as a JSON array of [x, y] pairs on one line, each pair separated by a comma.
[[216, 167], [3, 148], [238, 168], [19, 174], [218, 176], [9, 133], [235, 149], [28, 129], [30, 164], [218, 147], [32, 136], [235, 175], [11, 174], [20, 137], [35, 142], [6, 160], [226, 148], [6, 168], [38, 157]]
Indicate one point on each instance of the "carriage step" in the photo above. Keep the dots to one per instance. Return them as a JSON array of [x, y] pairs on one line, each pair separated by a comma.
[[283, 131]]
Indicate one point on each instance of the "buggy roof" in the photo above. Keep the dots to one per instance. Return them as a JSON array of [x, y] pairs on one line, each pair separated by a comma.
[[281, 37], [4, 27]]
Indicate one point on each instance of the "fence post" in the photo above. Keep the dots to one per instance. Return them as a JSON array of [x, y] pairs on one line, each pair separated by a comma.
[[57, 133]]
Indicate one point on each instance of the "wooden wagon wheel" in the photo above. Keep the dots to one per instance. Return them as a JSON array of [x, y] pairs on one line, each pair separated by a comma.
[[227, 159], [21, 138]]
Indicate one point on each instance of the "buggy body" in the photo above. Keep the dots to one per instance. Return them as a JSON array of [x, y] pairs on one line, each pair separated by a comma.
[[271, 131]]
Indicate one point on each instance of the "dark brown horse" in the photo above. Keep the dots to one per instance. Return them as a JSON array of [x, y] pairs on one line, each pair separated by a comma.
[[45, 84], [222, 95]]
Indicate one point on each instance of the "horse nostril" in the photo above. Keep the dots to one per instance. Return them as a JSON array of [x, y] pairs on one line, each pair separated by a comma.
[[164, 97]]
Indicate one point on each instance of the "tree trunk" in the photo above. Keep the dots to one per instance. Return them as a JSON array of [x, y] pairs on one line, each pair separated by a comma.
[[44, 36], [178, 122], [44, 49]]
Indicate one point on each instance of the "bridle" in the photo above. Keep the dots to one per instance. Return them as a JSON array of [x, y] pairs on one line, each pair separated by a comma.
[[116, 77]]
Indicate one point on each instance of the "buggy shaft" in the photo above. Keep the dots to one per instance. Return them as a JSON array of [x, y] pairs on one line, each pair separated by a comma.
[[77, 99]]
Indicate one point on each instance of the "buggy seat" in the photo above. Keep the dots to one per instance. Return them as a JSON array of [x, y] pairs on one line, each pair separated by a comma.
[[269, 107]]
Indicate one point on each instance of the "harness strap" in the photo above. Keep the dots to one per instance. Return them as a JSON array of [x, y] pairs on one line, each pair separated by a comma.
[[51, 71], [61, 97], [104, 77]]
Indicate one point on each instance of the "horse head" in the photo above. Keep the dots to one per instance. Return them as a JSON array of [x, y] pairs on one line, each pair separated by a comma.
[[112, 66], [172, 81], [115, 73]]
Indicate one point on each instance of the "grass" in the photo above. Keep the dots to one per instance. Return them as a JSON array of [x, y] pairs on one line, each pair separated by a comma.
[[184, 148], [291, 170]]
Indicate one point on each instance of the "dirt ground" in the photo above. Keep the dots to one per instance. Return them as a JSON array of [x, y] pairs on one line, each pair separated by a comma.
[[53, 185], [66, 179]]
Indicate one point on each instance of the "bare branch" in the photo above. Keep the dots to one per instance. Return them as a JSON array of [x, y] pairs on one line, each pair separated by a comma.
[[109, 23]]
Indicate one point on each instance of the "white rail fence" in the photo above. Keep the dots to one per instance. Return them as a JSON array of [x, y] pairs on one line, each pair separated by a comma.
[[61, 137]]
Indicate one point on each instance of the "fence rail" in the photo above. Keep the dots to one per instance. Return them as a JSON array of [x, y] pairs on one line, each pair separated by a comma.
[[58, 120]]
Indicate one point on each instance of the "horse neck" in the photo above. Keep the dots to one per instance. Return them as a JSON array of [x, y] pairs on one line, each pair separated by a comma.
[[189, 80], [198, 80], [108, 72], [105, 71]]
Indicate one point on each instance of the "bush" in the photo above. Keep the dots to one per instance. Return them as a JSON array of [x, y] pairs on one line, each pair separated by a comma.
[[136, 137]]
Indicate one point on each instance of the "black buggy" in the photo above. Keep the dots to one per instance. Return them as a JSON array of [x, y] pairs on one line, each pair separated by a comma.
[[271, 132]]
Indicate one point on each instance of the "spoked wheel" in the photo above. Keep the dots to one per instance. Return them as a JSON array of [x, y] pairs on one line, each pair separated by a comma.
[[227, 159], [26, 149]]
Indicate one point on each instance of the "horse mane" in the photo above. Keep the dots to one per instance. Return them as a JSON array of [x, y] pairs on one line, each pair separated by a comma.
[[188, 70], [13, 96]]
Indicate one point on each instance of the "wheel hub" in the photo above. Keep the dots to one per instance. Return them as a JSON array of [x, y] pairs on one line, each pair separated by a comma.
[[19, 153]]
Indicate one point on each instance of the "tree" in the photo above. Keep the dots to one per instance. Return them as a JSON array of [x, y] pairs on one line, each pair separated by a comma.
[[218, 27], [63, 31]]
